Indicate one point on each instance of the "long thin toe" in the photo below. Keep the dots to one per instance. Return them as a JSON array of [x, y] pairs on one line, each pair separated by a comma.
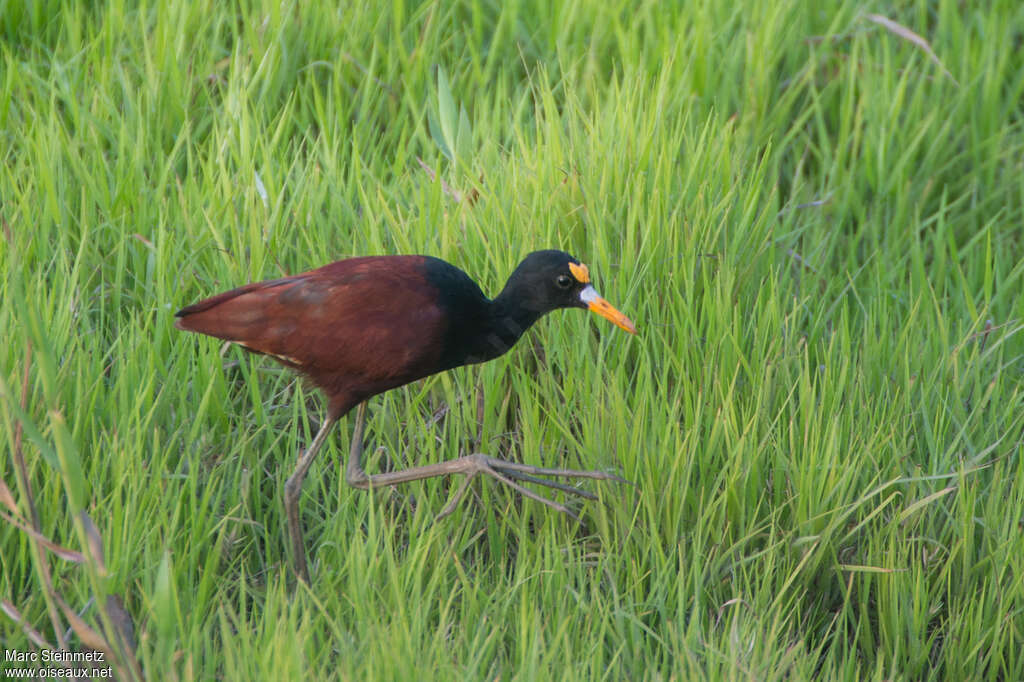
[[550, 484], [532, 495], [459, 494], [543, 471], [620, 479]]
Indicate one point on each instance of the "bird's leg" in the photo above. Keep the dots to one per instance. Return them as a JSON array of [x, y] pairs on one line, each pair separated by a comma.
[[469, 466], [292, 490], [509, 472], [354, 473]]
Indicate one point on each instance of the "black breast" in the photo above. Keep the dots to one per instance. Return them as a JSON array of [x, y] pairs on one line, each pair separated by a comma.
[[469, 336]]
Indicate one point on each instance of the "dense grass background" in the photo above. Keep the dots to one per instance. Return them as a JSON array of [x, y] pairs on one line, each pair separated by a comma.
[[818, 228]]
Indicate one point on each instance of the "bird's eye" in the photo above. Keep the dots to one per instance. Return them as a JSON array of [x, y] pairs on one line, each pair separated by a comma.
[[564, 281]]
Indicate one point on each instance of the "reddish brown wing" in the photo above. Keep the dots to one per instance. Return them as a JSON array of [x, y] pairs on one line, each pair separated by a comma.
[[356, 327]]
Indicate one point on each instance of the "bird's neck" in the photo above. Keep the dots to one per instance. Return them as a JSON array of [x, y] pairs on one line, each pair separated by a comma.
[[507, 320]]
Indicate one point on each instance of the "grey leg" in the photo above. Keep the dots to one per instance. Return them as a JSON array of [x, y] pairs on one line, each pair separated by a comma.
[[292, 490], [470, 466]]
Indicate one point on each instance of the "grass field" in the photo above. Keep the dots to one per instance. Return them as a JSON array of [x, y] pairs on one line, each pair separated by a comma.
[[814, 216]]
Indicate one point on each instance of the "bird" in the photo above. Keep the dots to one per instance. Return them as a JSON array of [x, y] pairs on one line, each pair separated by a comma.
[[361, 326]]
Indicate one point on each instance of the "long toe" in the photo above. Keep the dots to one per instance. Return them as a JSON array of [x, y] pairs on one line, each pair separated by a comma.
[[504, 465], [525, 492], [510, 474], [550, 484], [459, 494]]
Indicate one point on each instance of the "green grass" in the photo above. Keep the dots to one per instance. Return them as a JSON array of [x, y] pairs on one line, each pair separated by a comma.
[[820, 236]]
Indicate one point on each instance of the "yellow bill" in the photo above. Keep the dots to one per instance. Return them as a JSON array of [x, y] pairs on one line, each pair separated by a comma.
[[603, 308]]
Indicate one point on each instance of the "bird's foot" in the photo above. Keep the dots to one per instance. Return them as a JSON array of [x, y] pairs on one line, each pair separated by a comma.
[[510, 472]]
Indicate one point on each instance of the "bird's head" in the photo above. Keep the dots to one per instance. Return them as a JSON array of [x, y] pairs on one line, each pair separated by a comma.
[[548, 280]]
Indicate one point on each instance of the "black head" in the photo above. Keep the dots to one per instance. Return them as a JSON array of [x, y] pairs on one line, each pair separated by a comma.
[[551, 279]]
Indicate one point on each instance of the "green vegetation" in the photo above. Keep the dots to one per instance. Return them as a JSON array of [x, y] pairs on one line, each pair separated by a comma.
[[817, 225]]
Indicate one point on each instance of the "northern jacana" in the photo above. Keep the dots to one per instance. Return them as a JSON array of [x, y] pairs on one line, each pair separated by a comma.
[[361, 326]]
